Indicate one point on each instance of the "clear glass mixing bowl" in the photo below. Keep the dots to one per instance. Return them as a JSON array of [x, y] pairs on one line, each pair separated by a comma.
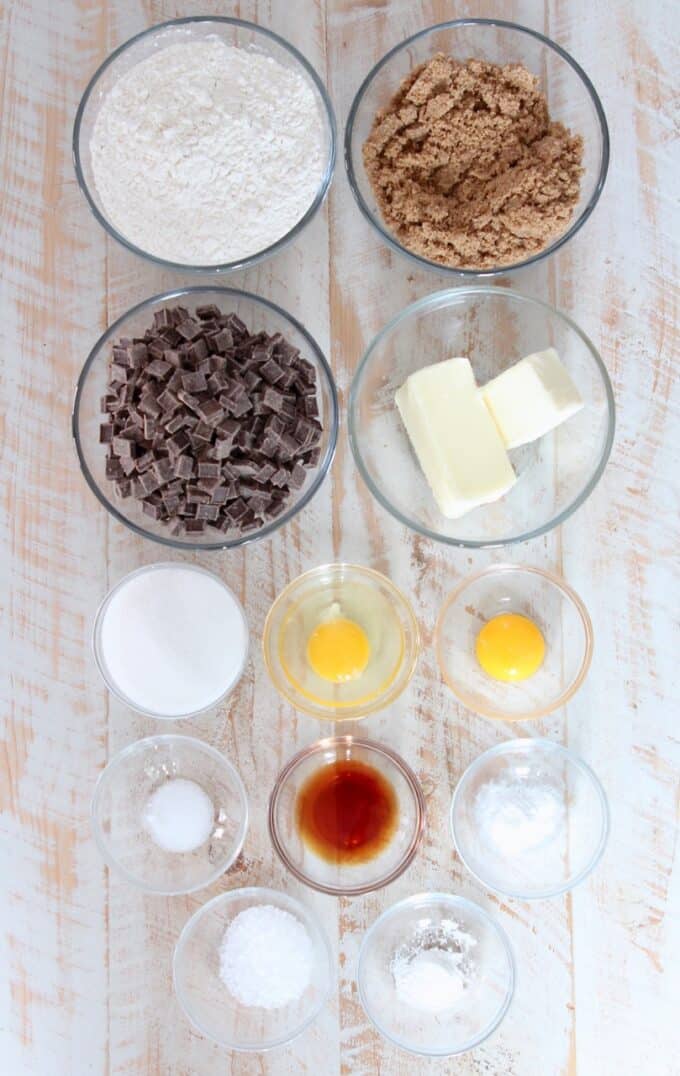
[[233, 32], [258, 314], [572, 100], [494, 328]]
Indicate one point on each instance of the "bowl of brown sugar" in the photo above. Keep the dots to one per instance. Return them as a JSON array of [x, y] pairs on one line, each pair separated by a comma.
[[476, 147]]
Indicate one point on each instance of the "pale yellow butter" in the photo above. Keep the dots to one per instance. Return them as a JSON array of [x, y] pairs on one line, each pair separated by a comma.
[[531, 398], [454, 437]]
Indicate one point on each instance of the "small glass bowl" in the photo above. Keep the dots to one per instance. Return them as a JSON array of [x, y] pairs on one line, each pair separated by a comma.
[[258, 314], [100, 659], [232, 32], [575, 818], [122, 792], [546, 600], [494, 328], [289, 608], [424, 920], [207, 1002], [572, 100], [343, 879]]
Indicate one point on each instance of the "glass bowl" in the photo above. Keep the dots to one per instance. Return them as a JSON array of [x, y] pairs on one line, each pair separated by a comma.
[[571, 98], [437, 921], [546, 600], [559, 804], [122, 792], [233, 32], [494, 328], [340, 878], [386, 617], [258, 314], [207, 1002], [108, 675]]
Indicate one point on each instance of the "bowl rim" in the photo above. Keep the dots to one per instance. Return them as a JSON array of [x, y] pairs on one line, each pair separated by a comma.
[[113, 764], [440, 897], [273, 248], [447, 297], [356, 712], [524, 743], [450, 270], [554, 580], [258, 894], [372, 747], [332, 421], [163, 565]]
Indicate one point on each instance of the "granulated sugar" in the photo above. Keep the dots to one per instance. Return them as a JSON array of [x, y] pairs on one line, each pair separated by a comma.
[[172, 640], [205, 153], [266, 957]]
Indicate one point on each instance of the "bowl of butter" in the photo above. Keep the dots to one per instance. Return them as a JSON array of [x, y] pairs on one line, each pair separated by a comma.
[[481, 417]]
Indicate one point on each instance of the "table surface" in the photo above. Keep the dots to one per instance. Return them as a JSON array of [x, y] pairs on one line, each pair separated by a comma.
[[86, 984]]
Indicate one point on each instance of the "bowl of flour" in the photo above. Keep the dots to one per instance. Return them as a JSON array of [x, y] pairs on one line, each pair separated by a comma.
[[205, 143]]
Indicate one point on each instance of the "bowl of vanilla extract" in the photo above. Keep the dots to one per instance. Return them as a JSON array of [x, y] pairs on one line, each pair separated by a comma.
[[346, 815]]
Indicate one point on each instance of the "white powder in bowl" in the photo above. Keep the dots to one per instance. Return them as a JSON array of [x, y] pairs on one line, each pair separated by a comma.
[[204, 153], [514, 816], [179, 816], [172, 640]]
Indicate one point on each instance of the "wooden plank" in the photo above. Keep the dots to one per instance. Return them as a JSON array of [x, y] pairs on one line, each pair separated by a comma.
[[89, 987]]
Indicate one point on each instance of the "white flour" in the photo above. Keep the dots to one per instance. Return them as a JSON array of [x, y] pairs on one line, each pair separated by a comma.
[[205, 153]]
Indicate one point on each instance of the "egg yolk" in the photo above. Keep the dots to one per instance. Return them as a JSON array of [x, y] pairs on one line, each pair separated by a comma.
[[338, 650], [510, 647]]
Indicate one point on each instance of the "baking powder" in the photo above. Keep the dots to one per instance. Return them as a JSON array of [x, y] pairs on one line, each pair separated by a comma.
[[514, 817], [205, 153]]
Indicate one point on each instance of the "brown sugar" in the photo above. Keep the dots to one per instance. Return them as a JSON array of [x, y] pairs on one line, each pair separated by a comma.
[[467, 167]]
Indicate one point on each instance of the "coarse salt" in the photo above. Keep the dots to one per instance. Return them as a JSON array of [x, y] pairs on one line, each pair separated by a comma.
[[266, 957]]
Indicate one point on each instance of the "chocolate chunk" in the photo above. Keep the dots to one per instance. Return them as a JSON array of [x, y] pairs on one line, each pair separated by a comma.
[[159, 368], [202, 433], [151, 509], [208, 425], [271, 371], [168, 401], [207, 469], [138, 354], [211, 412], [209, 512], [297, 476], [208, 310], [194, 382], [184, 466], [191, 401], [189, 329]]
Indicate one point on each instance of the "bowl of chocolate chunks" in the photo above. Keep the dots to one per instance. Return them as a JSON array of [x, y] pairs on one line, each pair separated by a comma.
[[205, 418]]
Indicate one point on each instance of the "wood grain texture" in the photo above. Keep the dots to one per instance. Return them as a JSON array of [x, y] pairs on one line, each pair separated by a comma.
[[86, 985]]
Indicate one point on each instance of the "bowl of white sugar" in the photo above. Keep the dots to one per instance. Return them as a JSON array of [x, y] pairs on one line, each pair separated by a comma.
[[252, 968], [171, 640], [205, 143], [169, 814]]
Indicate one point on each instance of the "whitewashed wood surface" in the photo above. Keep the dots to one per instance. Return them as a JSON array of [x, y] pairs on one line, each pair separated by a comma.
[[85, 984]]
